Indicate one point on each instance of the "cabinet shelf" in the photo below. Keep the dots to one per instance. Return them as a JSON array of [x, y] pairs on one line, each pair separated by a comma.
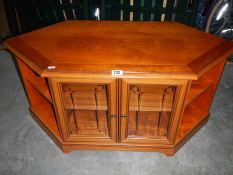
[[192, 117], [196, 90], [152, 98], [44, 113], [33, 80], [148, 124], [41, 86], [90, 99], [83, 122]]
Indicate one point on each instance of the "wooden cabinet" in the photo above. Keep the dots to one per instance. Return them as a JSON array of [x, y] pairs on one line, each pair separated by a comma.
[[158, 101]]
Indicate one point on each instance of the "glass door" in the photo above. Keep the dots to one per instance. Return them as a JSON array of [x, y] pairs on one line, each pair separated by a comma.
[[89, 109], [150, 109], [147, 110]]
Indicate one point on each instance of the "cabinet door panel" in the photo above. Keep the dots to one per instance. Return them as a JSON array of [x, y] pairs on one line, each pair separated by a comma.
[[88, 109], [148, 109]]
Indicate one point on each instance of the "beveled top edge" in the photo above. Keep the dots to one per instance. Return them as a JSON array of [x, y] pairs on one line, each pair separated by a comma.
[[152, 71], [41, 64]]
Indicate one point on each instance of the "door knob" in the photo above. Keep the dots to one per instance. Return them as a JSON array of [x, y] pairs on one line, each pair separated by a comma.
[[123, 115]]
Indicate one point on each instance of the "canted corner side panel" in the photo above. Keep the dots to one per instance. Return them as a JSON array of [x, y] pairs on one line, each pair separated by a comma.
[[150, 109], [86, 108]]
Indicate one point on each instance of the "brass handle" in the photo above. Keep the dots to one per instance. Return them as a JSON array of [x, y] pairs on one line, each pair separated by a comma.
[[123, 115], [113, 115]]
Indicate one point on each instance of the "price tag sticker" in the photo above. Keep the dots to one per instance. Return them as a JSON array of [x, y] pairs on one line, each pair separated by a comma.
[[51, 67], [117, 72]]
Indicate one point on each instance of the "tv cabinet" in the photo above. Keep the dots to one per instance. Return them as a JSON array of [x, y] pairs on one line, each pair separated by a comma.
[[134, 86]]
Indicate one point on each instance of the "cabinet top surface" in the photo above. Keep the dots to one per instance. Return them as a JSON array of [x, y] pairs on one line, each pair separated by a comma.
[[91, 46]]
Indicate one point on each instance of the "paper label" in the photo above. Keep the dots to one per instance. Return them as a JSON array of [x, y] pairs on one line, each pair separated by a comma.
[[117, 72]]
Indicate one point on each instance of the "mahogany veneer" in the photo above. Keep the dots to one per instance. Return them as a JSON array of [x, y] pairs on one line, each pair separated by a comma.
[[170, 74]]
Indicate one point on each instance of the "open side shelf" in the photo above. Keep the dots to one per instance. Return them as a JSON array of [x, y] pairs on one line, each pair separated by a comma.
[[44, 112], [192, 117], [38, 83], [41, 86], [196, 89], [40, 99], [198, 102]]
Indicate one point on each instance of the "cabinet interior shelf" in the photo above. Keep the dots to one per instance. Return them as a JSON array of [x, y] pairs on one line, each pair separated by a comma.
[[84, 97], [83, 122], [152, 98]]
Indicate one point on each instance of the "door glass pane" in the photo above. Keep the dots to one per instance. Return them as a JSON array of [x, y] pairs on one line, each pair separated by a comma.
[[86, 107], [150, 110]]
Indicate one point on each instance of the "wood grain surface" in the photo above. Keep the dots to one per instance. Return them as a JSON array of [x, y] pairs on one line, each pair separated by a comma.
[[98, 47], [171, 73]]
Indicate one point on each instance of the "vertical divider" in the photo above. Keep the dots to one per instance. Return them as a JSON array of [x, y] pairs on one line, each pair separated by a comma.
[[123, 108], [103, 9], [158, 10], [147, 10], [113, 113], [67, 9], [142, 10], [137, 10], [78, 9], [51, 12], [152, 16], [169, 9], [108, 9], [115, 10], [57, 10], [42, 11], [194, 7], [118, 101], [62, 121], [131, 13], [180, 105], [86, 9], [181, 14], [126, 10]]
